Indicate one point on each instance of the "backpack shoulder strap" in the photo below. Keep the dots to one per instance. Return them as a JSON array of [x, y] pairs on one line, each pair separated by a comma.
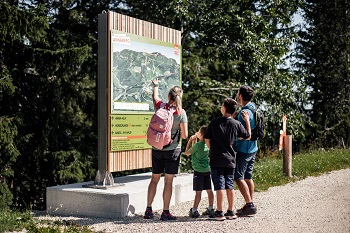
[[171, 109], [162, 105], [255, 116], [250, 108]]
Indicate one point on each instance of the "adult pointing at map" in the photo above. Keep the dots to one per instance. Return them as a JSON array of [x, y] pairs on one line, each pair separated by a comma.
[[167, 159]]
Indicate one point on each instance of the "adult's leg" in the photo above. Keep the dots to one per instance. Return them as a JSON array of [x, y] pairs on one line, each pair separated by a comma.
[[244, 189], [152, 189], [171, 167], [168, 189], [250, 184], [242, 160], [248, 208], [246, 186], [249, 174]]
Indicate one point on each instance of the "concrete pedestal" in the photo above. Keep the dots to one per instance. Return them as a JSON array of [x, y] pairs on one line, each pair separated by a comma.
[[128, 196]]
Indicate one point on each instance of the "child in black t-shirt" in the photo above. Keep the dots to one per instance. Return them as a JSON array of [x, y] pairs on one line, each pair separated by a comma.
[[220, 137]]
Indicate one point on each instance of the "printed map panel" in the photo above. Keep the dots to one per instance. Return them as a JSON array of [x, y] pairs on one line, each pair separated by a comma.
[[135, 62]]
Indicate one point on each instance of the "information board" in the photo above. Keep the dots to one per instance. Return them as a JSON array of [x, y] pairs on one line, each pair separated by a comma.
[[128, 132], [135, 61]]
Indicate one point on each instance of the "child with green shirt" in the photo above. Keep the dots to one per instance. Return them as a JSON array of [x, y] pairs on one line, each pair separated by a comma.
[[201, 176]]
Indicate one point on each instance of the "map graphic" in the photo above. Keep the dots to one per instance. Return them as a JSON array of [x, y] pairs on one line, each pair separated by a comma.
[[136, 61]]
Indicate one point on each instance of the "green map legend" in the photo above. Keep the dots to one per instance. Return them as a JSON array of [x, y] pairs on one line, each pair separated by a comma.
[[128, 132]]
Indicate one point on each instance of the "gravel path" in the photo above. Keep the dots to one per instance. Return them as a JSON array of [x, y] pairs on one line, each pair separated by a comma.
[[315, 204]]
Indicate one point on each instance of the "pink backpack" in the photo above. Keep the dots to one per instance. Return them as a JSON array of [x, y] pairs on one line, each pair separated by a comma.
[[159, 129]]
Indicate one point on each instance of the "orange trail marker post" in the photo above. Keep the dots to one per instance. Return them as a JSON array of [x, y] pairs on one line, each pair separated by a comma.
[[283, 132]]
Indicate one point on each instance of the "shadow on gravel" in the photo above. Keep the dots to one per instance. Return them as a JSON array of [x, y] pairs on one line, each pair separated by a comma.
[[137, 218], [156, 219]]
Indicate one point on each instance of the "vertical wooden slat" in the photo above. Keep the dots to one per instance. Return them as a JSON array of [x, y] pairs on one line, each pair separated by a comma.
[[126, 24], [132, 26], [147, 27], [120, 23], [117, 22], [168, 34], [155, 31]]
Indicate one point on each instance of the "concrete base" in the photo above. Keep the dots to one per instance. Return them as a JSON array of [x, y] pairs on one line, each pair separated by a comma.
[[128, 196]]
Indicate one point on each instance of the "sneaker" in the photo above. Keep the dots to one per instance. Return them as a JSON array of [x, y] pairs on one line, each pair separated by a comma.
[[230, 215], [194, 214], [218, 216], [247, 210], [166, 217], [209, 212], [148, 214]]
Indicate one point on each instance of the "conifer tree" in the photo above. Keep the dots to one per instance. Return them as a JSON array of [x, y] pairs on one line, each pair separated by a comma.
[[18, 26], [44, 54], [325, 49]]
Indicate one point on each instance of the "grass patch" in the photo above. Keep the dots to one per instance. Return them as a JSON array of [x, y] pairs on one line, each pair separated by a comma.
[[17, 221], [14, 220], [268, 172]]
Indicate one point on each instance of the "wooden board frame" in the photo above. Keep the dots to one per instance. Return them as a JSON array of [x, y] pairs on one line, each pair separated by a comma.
[[114, 161]]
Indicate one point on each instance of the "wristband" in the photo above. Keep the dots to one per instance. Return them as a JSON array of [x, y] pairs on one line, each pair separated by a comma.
[[155, 85]]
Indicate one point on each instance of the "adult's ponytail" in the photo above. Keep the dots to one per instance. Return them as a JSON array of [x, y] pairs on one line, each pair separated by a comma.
[[175, 96]]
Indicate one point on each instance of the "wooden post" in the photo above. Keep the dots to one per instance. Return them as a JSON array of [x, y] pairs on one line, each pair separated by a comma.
[[287, 155]]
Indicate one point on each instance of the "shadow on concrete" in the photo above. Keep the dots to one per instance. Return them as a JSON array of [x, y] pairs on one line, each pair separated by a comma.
[[127, 179]]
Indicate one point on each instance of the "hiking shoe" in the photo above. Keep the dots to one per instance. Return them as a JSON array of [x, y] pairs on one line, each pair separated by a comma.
[[247, 210], [194, 214], [148, 214], [209, 212], [230, 215], [166, 217], [241, 209], [218, 216]]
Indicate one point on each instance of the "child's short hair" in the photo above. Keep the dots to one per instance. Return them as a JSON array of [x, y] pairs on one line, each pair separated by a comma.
[[230, 105], [203, 129]]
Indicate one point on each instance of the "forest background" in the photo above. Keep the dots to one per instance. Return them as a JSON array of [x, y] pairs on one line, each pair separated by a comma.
[[48, 74]]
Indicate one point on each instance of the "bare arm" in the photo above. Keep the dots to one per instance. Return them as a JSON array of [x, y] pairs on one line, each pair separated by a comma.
[[190, 143], [245, 117], [184, 130], [155, 95], [207, 141]]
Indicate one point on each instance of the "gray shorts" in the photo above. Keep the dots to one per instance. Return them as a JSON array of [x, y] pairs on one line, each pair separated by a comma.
[[244, 165]]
